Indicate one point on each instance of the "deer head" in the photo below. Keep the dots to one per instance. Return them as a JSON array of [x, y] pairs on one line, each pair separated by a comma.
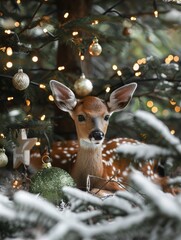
[[91, 114]]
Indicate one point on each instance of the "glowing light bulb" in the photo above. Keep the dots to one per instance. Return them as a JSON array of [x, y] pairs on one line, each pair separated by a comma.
[[38, 143], [133, 18], [156, 13], [42, 86], [172, 102], [149, 104], [137, 74], [9, 64], [28, 103], [16, 24], [35, 59], [176, 58], [9, 51], [2, 135], [7, 31], [66, 15], [51, 98], [177, 109], [75, 33], [60, 68], [108, 89], [82, 57], [136, 67], [154, 109], [172, 131], [114, 67], [10, 98], [119, 73], [42, 117]]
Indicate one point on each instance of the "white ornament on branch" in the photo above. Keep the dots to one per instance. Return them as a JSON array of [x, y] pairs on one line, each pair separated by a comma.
[[21, 152]]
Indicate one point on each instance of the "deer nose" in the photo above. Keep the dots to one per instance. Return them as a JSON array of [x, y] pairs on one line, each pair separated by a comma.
[[96, 135]]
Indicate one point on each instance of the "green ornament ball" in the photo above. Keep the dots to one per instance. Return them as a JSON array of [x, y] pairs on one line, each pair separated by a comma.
[[48, 182]]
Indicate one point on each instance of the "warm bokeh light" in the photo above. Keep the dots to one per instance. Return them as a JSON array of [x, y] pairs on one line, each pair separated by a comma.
[[108, 89], [137, 74], [149, 104], [172, 102], [176, 58], [35, 59], [28, 102], [42, 86], [156, 13], [119, 73], [172, 131], [133, 18], [9, 51], [114, 67], [66, 15], [60, 68], [177, 109], [136, 67], [51, 98], [10, 98], [154, 109], [42, 117], [16, 24], [9, 64], [75, 33]]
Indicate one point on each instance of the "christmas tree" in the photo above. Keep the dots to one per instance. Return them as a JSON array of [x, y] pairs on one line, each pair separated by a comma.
[[93, 47]]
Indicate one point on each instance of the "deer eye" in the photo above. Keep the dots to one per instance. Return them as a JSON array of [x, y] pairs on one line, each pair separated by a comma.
[[81, 118], [106, 118]]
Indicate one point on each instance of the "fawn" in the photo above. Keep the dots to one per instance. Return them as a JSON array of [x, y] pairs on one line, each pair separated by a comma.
[[93, 158], [93, 164]]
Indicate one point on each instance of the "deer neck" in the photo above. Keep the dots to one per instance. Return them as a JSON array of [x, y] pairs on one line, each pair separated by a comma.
[[88, 162]]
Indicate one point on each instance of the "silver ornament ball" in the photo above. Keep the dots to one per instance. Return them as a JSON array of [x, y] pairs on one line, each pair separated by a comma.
[[83, 86], [20, 80], [95, 48], [3, 158]]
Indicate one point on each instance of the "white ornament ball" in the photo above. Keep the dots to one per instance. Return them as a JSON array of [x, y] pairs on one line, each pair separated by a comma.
[[21, 80], [83, 86], [3, 158], [95, 48]]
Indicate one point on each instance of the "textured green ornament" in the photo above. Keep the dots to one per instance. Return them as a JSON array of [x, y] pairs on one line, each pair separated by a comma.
[[48, 182]]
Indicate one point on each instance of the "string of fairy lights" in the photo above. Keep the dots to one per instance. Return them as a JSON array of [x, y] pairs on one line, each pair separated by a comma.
[[152, 106]]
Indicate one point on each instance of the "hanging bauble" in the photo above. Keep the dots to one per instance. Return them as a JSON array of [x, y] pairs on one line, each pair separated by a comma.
[[21, 80], [3, 158], [83, 86], [95, 48], [49, 181]]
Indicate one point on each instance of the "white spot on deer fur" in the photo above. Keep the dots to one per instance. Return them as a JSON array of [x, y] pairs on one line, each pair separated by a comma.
[[57, 156], [64, 161], [71, 149]]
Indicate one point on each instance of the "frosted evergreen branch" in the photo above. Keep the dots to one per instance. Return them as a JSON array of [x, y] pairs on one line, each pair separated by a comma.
[[156, 125], [164, 202], [143, 151]]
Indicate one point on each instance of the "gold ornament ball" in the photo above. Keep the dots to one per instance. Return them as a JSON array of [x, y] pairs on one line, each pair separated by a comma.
[[95, 48], [3, 158], [83, 86], [21, 80]]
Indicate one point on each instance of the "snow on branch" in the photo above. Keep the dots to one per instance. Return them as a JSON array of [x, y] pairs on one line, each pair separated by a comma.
[[156, 125], [143, 151]]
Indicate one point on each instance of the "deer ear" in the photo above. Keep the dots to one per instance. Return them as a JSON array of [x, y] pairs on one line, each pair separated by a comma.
[[120, 98], [64, 98]]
